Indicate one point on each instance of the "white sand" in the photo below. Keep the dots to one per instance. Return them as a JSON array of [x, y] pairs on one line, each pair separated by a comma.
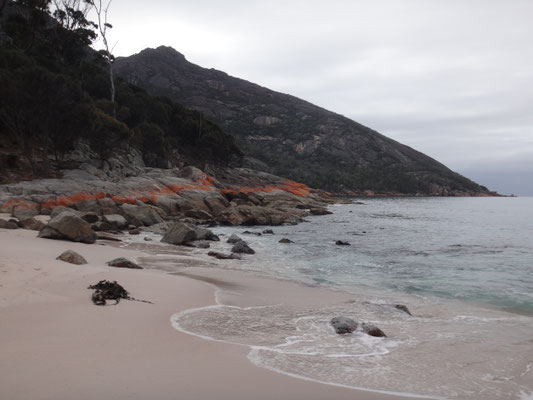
[[55, 344]]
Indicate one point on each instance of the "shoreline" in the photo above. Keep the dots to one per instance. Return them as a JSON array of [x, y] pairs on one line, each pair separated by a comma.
[[57, 345]]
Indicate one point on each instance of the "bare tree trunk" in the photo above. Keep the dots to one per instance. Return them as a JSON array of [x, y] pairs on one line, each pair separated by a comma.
[[103, 25]]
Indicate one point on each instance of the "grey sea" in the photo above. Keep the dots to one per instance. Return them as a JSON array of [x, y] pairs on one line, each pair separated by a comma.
[[462, 266]]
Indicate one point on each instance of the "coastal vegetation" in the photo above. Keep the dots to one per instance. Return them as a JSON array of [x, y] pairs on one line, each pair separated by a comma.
[[55, 91]]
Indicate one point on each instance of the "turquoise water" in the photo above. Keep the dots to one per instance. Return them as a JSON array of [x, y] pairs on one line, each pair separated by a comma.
[[473, 249], [457, 263]]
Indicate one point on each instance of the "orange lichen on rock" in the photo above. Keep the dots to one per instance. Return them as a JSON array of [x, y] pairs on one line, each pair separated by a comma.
[[124, 199], [207, 181], [298, 189]]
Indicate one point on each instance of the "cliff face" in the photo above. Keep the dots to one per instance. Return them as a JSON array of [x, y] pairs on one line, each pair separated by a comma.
[[291, 137]]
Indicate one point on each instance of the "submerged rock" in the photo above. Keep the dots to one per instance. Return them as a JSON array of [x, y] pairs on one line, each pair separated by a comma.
[[343, 325], [342, 243], [268, 232], [319, 211], [252, 233], [403, 308], [199, 244], [122, 262], [222, 256], [72, 257], [285, 240], [372, 330], [242, 247]]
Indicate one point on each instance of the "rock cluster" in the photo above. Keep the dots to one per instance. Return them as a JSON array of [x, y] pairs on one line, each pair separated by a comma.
[[344, 325]]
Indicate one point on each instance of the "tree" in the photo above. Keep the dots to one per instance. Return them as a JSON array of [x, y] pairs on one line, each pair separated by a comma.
[[43, 112], [102, 11]]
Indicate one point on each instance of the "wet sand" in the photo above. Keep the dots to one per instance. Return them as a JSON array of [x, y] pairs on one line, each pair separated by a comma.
[[55, 344]]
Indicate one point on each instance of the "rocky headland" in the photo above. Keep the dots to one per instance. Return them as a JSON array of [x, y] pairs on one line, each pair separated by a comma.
[[121, 194]]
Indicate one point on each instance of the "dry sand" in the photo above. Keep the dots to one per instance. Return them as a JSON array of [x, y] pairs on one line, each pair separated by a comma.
[[55, 344]]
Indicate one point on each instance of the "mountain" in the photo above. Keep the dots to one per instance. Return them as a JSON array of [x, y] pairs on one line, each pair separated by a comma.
[[290, 137]]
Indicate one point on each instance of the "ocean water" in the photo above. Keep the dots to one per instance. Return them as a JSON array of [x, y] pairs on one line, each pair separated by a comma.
[[463, 266], [473, 249]]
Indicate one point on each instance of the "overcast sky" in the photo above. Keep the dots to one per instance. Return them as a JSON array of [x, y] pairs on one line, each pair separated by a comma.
[[453, 79]]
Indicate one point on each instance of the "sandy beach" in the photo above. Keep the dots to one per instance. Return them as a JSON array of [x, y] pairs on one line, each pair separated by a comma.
[[55, 344]]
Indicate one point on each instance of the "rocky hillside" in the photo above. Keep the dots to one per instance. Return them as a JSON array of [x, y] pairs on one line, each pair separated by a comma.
[[291, 137]]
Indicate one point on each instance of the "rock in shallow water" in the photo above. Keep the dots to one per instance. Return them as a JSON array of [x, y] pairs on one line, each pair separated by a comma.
[[242, 247], [372, 330], [403, 308], [343, 325], [233, 239], [285, 240], [222, 256], [342, 243]]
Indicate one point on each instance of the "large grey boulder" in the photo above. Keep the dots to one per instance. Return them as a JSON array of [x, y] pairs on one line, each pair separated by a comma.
[[179, 233], [343, 325], [69, 227], [117, 221], [72, 257], [141, 215]]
